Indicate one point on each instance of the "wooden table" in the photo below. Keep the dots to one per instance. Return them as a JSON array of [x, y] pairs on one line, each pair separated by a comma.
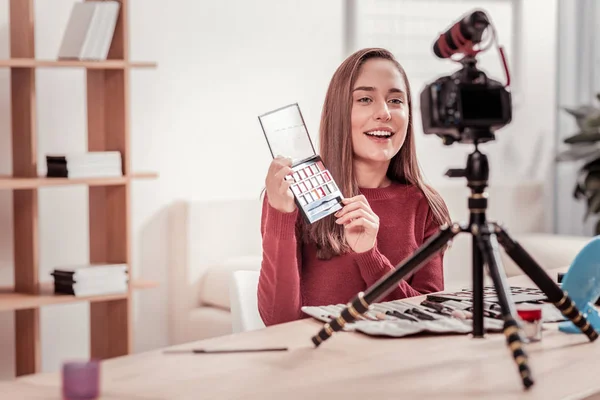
[[348, 366]]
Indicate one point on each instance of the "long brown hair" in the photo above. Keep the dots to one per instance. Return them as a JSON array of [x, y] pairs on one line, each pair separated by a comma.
[[335, 147]]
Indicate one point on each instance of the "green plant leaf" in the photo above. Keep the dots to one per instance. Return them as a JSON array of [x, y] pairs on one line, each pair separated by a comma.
[[587, 183], [593, 206], [579, 152], [578, 193], [591, 166], [592, 187], [581, 111], [593, 121], [587, 135]]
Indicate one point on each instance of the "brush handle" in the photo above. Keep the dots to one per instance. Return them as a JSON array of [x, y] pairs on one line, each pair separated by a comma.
[[224, 351]]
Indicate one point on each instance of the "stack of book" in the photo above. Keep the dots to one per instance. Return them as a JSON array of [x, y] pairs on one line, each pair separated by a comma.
[[91, 280], [90, 31], [84, 165]]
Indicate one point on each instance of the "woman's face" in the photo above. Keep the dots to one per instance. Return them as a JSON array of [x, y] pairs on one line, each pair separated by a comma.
[[379, 112]]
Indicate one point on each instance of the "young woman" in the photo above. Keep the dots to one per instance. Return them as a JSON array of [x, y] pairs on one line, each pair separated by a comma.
[[368, 144]]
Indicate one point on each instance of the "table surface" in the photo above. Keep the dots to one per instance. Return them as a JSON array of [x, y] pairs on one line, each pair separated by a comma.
[[349, 365]]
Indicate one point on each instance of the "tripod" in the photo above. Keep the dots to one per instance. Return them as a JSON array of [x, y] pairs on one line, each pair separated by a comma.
[[486, 240]]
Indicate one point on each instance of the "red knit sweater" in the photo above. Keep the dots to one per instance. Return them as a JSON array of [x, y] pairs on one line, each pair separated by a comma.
[[292, 276]]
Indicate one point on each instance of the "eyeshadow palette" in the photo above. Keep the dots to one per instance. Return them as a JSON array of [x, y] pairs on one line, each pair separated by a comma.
[[315, 192]]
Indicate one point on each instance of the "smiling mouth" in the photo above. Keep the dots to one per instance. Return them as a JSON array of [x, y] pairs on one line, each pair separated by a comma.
[[380, 134]]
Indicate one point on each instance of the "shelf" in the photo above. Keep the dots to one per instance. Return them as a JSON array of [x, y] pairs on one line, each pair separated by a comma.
[[108, 64], [9, 300], [10, 182]]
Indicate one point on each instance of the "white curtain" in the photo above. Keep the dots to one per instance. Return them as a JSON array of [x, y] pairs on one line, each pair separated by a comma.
[[578, 78]]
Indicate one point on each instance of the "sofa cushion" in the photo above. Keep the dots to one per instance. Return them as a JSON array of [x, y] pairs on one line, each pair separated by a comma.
[[214, 289], [550, 251]]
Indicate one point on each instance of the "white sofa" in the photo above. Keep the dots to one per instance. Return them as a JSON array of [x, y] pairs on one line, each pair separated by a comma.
[[209, 240]]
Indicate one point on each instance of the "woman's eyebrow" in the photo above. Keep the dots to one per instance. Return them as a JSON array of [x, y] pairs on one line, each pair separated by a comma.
[[372, 89], [365, 88], [396, 90]]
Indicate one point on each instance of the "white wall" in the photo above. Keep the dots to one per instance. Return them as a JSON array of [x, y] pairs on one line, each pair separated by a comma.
[[221, 64], [194, 122]]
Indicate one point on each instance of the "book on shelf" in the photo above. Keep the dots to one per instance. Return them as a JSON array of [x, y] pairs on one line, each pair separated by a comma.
[[89, 31], [91, 280], [84, 165]]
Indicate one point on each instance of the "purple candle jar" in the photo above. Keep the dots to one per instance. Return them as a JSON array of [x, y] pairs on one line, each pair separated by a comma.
[[81, 380]]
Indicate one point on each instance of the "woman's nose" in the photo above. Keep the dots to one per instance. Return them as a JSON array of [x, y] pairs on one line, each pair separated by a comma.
[[383, 113]]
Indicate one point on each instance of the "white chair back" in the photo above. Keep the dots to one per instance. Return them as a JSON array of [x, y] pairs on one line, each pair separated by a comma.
[[244, 302]]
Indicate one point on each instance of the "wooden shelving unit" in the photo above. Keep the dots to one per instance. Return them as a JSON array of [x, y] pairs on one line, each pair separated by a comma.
[[12, 182], [11, 300], [108, 64], [109, 198]]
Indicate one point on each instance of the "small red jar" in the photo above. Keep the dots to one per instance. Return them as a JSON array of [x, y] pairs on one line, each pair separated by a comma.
[[531, 321]]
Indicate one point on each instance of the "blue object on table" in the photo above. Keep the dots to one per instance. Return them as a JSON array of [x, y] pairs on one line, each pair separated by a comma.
[[582, 284]]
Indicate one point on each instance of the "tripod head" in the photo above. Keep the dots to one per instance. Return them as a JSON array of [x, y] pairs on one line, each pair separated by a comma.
[[477, 173]]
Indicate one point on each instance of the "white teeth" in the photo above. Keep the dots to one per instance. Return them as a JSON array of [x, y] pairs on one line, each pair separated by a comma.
[[379, 133]]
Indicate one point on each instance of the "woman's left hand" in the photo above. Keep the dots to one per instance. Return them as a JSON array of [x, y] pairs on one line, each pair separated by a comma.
[[361, 224]]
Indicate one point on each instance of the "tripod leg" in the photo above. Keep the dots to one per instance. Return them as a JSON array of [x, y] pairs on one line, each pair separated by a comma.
[[491, 255], [537, 274], [478, 263], [361, 303]]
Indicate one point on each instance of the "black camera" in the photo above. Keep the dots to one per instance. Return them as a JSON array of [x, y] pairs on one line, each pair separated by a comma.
[[461, 109], [467, 106]]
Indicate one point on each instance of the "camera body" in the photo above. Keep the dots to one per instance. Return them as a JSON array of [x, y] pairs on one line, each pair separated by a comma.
[[465, 107]]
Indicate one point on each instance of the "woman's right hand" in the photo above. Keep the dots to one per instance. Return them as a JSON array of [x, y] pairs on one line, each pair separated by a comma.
[[278, 188]]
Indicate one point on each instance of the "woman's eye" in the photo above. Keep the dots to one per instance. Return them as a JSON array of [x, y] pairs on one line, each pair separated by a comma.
[[396, 101], [364, 100]]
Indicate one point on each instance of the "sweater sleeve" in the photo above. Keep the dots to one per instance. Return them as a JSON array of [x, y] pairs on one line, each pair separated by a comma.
[[279, 296], [428, 278]]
